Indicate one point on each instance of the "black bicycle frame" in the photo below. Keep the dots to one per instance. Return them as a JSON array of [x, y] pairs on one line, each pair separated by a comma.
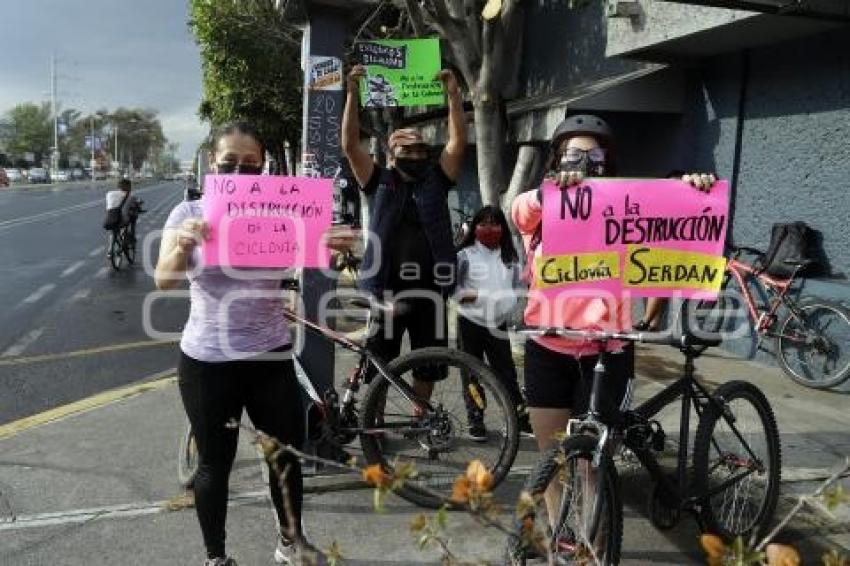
[[692, 393], [364, 354]]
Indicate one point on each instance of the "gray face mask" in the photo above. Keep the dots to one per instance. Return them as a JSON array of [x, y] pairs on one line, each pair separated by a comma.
[[585, 164]]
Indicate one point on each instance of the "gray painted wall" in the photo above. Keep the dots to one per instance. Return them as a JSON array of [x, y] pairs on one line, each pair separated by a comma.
[[795, 148], [795, 139]]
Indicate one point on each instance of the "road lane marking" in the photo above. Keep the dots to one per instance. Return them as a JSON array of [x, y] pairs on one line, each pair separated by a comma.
[[127, 510], [97, 251], [72, 268], [40, 293], [81, 295], [86, 352], [86, 405], [25, 342], [46, 215]]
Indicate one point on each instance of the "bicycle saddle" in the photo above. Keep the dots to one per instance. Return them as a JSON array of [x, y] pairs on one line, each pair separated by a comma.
[[798, 262]]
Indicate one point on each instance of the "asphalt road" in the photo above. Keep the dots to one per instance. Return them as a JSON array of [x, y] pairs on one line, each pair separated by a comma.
[[69, 325]]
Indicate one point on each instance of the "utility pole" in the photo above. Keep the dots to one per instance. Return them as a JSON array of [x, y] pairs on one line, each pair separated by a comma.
[[93, 162], [54, 157]]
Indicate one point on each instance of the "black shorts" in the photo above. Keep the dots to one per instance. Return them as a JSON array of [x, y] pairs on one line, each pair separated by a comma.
[[559, 381]]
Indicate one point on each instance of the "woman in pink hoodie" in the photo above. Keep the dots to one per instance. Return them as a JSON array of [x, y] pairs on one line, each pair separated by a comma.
[[558, 371]]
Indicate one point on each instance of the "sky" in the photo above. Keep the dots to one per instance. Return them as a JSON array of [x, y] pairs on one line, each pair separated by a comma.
[[110, 53]]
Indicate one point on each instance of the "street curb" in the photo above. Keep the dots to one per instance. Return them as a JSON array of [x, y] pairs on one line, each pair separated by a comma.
[[85, 405]]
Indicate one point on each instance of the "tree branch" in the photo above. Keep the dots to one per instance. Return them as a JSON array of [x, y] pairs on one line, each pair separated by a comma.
[[417, 17]]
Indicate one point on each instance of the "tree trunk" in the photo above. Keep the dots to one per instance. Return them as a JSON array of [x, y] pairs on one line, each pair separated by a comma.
[[529, 166], [490, 142]]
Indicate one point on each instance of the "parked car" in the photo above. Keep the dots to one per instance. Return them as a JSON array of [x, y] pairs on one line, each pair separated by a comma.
[[78, 174], [61, 176], [98, 175], [39, 175], [4, 179], [14, 175]]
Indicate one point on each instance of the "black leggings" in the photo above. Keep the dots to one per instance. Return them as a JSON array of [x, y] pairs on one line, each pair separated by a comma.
[[214, 394], [479, 341]]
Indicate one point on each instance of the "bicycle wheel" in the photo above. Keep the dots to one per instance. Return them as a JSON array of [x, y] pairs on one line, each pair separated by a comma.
[[116, 254], [187, 458], [437, 442], [814, 347], [589, 527], [739, 440]]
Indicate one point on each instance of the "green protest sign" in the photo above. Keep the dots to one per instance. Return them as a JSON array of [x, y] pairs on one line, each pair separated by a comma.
[[400, 72]]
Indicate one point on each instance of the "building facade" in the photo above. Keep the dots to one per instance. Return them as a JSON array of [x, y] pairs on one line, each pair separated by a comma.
[[761, 100]]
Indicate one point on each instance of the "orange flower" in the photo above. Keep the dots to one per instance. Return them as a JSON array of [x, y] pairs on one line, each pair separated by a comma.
[[714, 548], [374, 475], [478, 475], [782, 555], [460, 490]]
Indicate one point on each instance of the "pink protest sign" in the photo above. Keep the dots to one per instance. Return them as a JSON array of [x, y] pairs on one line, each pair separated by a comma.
[[644, 237], [267, 221]]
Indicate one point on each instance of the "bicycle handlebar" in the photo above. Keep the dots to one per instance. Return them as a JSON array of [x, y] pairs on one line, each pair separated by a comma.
[[679, 340]]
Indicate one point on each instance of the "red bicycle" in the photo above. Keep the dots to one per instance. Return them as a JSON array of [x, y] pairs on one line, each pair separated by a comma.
[[811, 338]]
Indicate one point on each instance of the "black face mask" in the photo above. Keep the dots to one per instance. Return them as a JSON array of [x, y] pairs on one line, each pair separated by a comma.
[[413, 168], [228, 168]]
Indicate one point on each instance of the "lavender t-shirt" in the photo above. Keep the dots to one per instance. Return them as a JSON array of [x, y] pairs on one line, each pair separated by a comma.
[[225, 321]]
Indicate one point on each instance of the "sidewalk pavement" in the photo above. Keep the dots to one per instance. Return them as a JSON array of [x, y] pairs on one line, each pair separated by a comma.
[[93, 487]]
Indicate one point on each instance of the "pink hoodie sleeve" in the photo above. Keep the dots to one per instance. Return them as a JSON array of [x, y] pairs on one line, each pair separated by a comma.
[[526, 212]]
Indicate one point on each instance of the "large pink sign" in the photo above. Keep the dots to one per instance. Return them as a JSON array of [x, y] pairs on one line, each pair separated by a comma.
[[267, 221], [644, 237]]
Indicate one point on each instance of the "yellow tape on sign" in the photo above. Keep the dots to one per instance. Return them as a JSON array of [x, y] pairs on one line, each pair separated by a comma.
[[561, 270], [663, 268]]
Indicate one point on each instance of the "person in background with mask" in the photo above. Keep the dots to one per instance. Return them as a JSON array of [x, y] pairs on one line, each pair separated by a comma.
[[489, 277], [558, 371], [413, 264]]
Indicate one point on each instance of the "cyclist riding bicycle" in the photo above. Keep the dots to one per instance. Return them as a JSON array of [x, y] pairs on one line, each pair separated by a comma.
[[122, 208]]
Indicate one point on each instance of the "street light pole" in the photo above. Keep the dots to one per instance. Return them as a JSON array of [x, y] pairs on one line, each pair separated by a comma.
[[93, 163], [54, 157]]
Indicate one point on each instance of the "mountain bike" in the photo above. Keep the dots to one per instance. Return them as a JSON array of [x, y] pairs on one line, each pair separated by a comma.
[[396, 426], [811, 340], [733, 484]]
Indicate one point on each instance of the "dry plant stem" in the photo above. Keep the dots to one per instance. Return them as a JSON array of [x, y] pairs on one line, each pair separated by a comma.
[[802, 500], [259, 435]]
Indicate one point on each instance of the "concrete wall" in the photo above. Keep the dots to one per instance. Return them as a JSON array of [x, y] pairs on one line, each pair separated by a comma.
[[795, 154], [659, 22], [794, 148], [565, 47]]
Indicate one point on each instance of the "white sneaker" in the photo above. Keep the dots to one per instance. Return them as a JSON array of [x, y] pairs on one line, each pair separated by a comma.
[[220, 562], [284, 553]]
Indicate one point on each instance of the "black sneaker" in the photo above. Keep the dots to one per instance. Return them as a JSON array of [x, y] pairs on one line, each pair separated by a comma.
[[524, 425], [227, 561]]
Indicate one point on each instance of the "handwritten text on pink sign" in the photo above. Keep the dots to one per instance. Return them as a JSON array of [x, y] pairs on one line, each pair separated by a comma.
[[648, 237], [267, 221]]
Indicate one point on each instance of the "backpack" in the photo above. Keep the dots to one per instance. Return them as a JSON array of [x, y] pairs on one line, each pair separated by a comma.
[[793, 240], [113, 215]]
